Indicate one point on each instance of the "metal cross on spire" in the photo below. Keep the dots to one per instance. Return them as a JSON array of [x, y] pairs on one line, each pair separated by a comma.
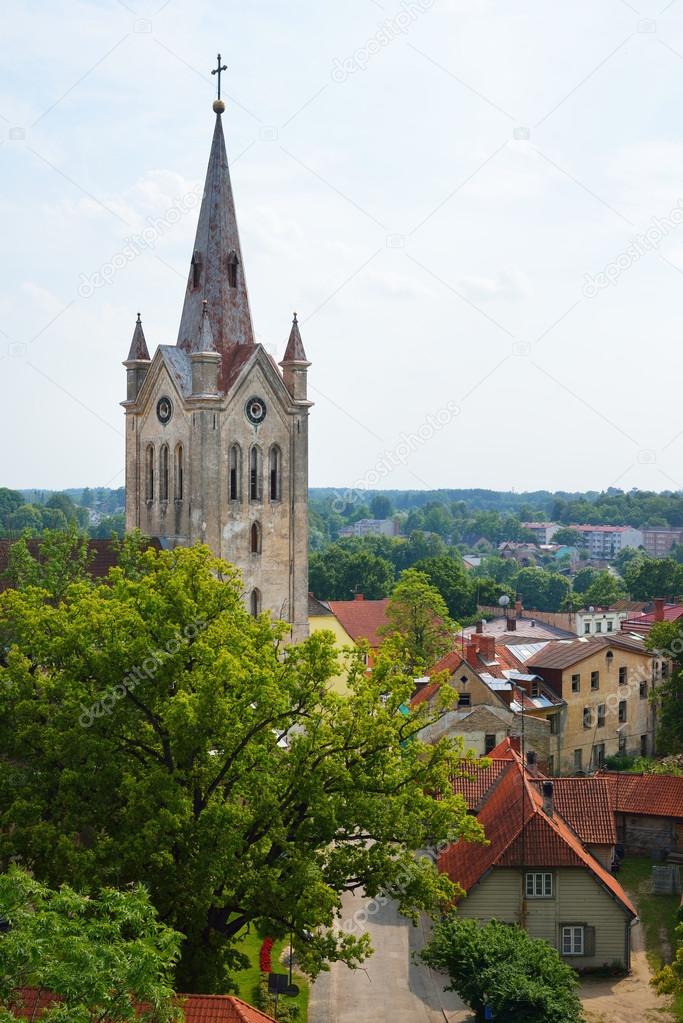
[[218, 71]]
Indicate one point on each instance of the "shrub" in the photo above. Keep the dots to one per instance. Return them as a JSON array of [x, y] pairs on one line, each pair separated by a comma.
[[519, 977]]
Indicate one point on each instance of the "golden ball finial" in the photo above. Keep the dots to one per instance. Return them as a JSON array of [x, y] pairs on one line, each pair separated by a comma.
[[218, 106]]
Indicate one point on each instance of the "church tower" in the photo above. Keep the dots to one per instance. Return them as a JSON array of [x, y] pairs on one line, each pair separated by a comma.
[[216, 433]]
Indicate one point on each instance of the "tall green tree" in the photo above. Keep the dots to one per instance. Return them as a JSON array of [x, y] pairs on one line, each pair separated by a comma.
[[418, 616], [152, 730], [451, 579], [667, 639], [102, 953], [604, 590], [540, 590], [520, 978]]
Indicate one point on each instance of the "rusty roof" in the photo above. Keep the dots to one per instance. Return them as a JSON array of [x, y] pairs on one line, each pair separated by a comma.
[[295, 347]]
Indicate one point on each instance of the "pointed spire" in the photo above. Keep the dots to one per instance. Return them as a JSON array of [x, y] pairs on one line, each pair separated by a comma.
[[217, 271], [295, 348], [138, 346], [205, 342]]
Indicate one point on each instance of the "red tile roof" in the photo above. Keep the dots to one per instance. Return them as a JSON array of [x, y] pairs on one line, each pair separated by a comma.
[[196, 1008], [651, 795], [361, 618], [476, 782], [521, 834], [584, 803]]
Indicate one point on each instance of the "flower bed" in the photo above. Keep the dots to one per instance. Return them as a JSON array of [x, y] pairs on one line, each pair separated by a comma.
[[265, 960]]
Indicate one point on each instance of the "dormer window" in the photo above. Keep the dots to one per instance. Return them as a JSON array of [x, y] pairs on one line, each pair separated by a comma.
[[196, 266], [232, 263]]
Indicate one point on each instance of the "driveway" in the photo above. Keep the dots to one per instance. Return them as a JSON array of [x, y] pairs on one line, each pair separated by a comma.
[[629, 1000], [389, 988]]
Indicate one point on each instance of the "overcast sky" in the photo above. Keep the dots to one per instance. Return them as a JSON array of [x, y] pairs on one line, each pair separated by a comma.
[[475, 208]]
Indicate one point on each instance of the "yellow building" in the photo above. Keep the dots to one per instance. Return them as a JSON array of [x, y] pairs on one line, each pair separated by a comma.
[[606, 683], [353, 622]]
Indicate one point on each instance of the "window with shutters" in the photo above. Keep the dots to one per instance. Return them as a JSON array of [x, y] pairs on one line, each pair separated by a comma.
[[572, 940]]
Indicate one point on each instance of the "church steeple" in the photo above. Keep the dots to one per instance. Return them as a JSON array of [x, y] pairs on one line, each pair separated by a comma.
[[216, 270], [138, 346], [295, 364]]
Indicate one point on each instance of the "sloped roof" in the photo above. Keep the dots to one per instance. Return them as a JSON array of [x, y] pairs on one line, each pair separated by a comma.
[[651, 795], [564, 654], [476, 782], [31, 1004], [521, 834], [316, 608], [361, 618], [584, 803]]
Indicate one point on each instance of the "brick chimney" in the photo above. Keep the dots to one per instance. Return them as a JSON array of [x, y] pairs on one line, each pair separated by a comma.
[[511, 623], [479, 627], [471, 653], [659, 609], [487, 647], [359, 596], [518, 608]]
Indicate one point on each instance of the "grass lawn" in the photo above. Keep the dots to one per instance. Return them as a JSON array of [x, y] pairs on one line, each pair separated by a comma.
[[247, 980], [655, 911]]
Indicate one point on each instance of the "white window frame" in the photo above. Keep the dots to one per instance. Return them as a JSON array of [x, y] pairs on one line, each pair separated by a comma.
[[538, 884], [573, 940]]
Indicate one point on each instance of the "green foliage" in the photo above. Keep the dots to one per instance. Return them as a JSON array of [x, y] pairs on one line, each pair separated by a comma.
[[520, 977], [418, 616], [153, 731], [667, 638], [380, 507], [61, 559], [569, 537], [540, 590], [453, 582], [100, 952], [646, 578], [339, 573], [604, 590]]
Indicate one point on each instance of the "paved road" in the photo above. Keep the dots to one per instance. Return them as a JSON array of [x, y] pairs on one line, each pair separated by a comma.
[[390, 988]]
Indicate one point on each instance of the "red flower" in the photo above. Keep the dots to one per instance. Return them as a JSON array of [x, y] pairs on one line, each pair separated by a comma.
[[265, 960]]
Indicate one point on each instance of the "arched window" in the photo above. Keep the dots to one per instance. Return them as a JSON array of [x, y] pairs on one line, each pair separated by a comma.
[[255, 603], [275, 473], [255, 474], [149, 472], [178, 474], [163, 473], [255, 538], [234, 472]]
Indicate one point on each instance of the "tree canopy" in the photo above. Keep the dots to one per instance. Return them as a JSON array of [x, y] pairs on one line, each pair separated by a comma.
[[495, 964], [102, 953], [153, 731], [417, 616]]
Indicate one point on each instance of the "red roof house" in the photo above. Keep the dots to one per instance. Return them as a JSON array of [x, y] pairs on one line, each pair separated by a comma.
[[31, 1004]]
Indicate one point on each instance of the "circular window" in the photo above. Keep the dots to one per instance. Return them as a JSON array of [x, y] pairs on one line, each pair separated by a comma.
[[164, 410], [255, 410]]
